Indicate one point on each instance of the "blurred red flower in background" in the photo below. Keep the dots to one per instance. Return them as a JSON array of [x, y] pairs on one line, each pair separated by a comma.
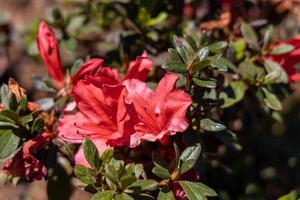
[[289, 60]]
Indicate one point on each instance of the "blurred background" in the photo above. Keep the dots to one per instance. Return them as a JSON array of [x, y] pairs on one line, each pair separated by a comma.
[[267, 166]]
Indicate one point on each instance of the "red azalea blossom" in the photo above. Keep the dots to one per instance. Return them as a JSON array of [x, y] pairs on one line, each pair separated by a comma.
[[99, 96], [123, 112], [289, 60], [157, 113], [25, 164], [49, 52]]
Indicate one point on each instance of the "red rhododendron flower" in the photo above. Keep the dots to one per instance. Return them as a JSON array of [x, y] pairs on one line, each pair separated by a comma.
[[156, 113], [99, 96], [48, 47], [25, 164], [289, 60]]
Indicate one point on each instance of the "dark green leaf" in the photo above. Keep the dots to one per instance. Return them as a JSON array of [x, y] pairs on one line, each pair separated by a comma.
[[282, 49], [9, 143], [111, 174], [7, 125], [249, 35], [84, 174], [5, 96], [91, 153], [13, 102], [107, 155], [274, 66], [123, 196], [217, 46], [11, 114], [139, 171], [206, 83], [189, 157], [165, 195], [271, 100], [105, 195], [203, 53], [223, 64], [238, 89], [267, 36], [38, 125], [195, 191], [23, 104], [209, 125], [26, 119], [144, 185], [127, 180], [161, 172]]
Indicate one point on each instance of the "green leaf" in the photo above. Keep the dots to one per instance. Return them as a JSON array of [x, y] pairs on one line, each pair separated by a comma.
[[23, 104], [189, 157], [139, 171], [11, 114], [91, 153], [249, 35], [7, 125], [84, 174], [165, 195], [107, 155], [292, 195], [271, 66], [161, 172], [157, 20], [217, 46], [26, 119], [209, 125], [9, 143], [127, 180], [239, 47], [183, 48], [267, 36], [13, 102], [203, 53], [40, 84], [206, 83], [174, 63], [123, 196], [282, 49], [249, 70], [271, 100], [38, 125], [104, 195], [223, 64], [5, 96], [111, 174], [196, 191], [46, 103], [76, 66], [144, 185], [238, 89]]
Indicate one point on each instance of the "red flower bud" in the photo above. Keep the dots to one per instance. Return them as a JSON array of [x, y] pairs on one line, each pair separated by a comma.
[[48, 47]]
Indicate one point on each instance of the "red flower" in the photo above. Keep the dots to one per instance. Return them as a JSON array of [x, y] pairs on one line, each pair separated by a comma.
[[99, 96], [123, 112], [25, 164], [289, 60], [157, 113], [48, 47]]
